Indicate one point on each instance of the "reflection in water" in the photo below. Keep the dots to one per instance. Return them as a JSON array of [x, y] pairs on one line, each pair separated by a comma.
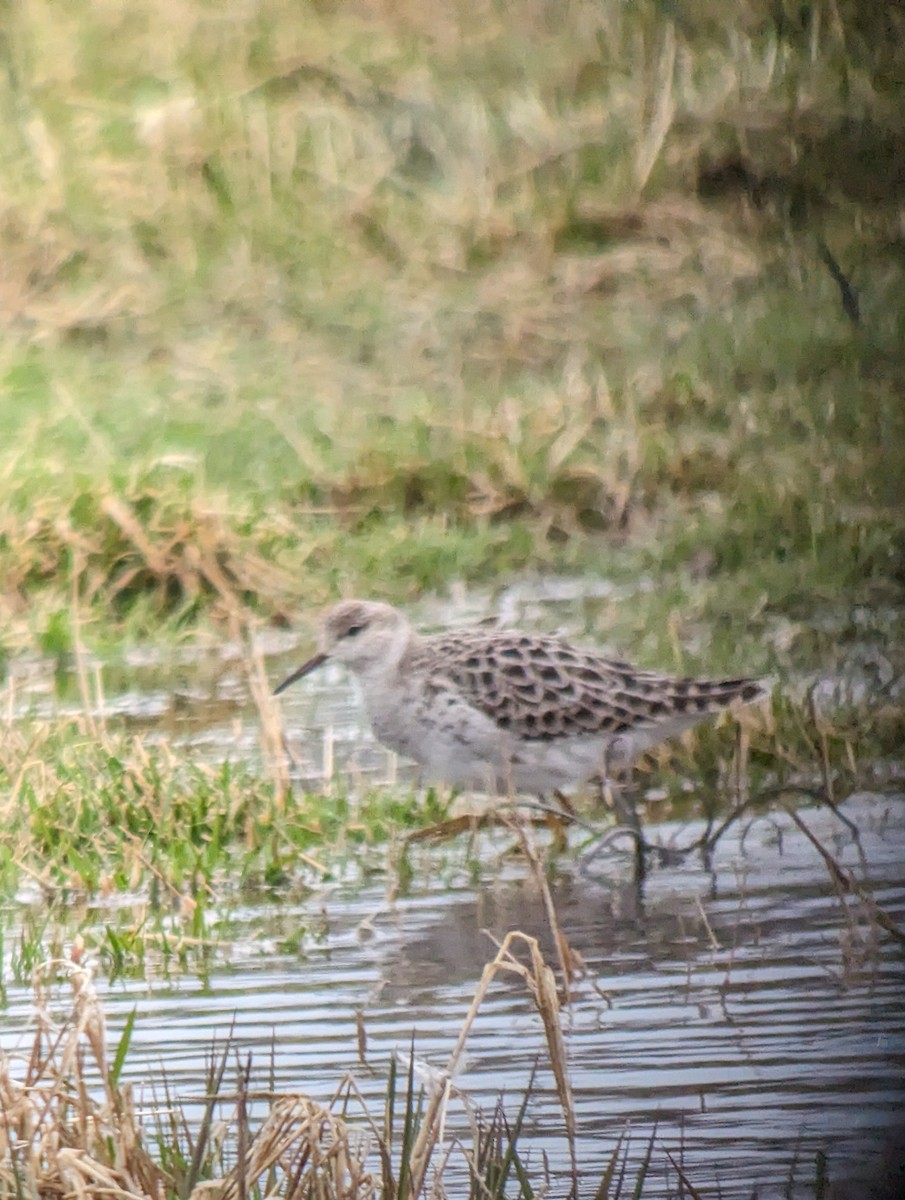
[[749, 1013], [753, 1015]]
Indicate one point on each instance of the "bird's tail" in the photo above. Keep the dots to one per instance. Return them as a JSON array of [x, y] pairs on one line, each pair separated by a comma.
[[693, 697]]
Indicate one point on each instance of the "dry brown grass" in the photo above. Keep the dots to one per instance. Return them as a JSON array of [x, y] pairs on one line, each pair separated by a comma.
[[425, 269], [141, 542], [69, 1127]]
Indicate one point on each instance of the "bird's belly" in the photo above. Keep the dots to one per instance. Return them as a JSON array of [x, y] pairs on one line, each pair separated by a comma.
[[500, 764], [452, 743], [455, 744], [558, 764], [527, 767]]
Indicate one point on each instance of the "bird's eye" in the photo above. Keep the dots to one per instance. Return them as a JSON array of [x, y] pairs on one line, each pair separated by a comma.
[[353, 630]]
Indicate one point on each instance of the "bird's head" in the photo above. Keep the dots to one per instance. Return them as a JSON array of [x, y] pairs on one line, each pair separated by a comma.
[[364, 635]]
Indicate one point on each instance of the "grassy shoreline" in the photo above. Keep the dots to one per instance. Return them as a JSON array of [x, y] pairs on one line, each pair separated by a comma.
[[305, 301], [334, 301], [344, 303], [92, 810]]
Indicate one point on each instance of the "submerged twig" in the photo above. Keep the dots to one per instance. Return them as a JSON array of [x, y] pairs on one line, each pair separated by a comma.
[[846, 882]]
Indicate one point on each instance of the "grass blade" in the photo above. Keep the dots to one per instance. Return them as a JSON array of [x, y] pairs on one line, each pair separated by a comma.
[[122, 1048]]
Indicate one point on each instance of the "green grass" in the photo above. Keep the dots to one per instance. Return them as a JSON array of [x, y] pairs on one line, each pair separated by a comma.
[[325, 299], [92, 812], [96, 810], [324, 302]]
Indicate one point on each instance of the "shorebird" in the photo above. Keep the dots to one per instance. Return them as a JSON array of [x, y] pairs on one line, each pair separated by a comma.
[[507, 712]]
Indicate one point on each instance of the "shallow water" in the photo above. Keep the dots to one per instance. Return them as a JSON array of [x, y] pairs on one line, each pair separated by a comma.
[[749, 1013]]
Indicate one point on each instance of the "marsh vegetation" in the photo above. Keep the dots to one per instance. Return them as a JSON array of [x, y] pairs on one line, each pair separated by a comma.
[[413, 301]]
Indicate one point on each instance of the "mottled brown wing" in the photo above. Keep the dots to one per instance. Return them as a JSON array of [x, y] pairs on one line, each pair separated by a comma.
[[544, 688], [540, 687]]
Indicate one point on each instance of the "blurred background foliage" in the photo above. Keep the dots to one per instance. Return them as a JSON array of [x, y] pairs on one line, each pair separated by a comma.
[[304, 299]]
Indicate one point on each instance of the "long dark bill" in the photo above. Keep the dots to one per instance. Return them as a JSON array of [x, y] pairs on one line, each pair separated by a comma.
[[310, 665]]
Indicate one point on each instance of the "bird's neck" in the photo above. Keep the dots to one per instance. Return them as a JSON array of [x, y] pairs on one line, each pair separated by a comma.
[[380, 673]]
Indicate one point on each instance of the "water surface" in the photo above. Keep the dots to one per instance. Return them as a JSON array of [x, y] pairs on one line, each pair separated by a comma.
[[748, 1012]]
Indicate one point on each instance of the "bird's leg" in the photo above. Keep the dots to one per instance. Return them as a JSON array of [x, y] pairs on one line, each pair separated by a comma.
[[614, 784], [619, 795], [554, 820], [615, 788]]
